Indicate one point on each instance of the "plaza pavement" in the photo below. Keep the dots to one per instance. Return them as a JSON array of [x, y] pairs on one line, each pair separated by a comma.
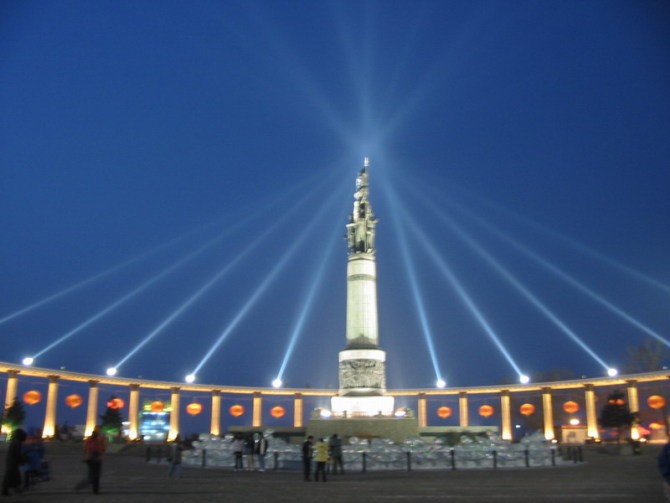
[[127, 478]]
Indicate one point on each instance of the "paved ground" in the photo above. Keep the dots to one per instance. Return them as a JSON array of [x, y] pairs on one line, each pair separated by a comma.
[[128, 478]]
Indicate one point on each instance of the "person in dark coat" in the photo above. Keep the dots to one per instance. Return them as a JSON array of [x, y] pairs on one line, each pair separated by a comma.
[[33, 459], [13, 462], [307, 453]]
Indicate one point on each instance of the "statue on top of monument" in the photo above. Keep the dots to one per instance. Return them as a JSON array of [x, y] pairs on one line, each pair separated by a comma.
[[361, 226]]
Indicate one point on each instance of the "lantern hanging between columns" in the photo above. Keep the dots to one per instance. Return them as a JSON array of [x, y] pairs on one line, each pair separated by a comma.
[[32, 397], [157, 406], [656, 426], [194, 408], [570, 407], [73, 401], [116, 403], [444, 412], [236, 410], [656, 402], [486, 411], [527, 409], [277, 412]]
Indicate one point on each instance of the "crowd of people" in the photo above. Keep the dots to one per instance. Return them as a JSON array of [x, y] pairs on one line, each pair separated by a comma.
[[326, 454]]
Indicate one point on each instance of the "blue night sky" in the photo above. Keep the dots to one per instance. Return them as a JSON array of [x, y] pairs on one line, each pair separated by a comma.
[[211, 148]]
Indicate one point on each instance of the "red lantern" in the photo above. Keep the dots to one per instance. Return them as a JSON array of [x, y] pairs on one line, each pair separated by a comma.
[[194, 408], [115, 403], [236, 410], [277, 411], [444, 412], [73, 401], [570, 407], [656, 402], [157, 406], [486, 411], [527, 409], [32, 397]]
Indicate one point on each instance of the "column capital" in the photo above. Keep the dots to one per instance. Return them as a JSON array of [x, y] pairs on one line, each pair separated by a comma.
[[93, 383], [463, 394], [547, 389], [54, 378], [134, 386], [216, 392], [13, 373], [175, 389]]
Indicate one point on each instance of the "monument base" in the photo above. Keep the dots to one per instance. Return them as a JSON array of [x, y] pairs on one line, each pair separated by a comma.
[[362, 406], [397, 429]]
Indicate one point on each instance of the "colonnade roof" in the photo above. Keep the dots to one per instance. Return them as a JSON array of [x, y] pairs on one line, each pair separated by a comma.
[[68, 375]]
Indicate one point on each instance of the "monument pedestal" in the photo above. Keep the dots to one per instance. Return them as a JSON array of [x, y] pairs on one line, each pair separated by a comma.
[[397, 429]]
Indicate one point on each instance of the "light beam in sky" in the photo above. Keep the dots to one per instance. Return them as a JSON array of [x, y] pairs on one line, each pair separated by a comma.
[[462, 293], [289, 253], [563, 275]]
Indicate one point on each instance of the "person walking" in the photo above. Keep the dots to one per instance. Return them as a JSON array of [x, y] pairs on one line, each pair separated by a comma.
[[335, 446], [13, 462], [175, 458], [249, 452], [261, 449], [33, 459], [238, 448], [307, 457], [94, 448], [321, 458]]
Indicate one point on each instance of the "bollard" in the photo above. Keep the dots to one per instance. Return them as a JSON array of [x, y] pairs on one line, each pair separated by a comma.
[[580, 454], [553, 457], [275, 457], [203, 460], [526, 457], [148, 454], [452, 455], [364, 462], [495, 459], [409, 461]]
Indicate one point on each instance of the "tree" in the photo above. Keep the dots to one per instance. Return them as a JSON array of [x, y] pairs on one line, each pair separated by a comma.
[[14, 415], [111, 422], [615, 414], [648, 356]]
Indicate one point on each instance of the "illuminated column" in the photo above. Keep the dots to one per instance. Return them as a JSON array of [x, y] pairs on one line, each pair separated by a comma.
[[49, 429], [297, 410], [257, 413], [505, 415], [215, 428], [421, 411], [12, 386], [634, 407], [92, 409], [174, 415], [591, 419], [133, 412], [463, 409], [548, 413]]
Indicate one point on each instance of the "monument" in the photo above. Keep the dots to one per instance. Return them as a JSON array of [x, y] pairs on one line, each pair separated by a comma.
[[361, 407]]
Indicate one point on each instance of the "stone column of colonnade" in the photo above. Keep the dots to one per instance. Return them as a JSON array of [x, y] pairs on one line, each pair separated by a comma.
[[92, 409], [591, 418], [174, 414], [634, 407], [421, 414], [505, 415], [215, 427], [257, 413], [548, 414], [463, 418], [297, 410], [133, 412], [49, 429], [10, 395]]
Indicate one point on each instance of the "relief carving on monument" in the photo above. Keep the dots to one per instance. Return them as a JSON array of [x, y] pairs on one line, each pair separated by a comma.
[[362, 373]]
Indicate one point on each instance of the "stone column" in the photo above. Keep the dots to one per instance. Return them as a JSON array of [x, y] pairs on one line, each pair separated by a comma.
[[215, 428], [92, 409], [548, 414], [591, 417], [422, 414], [634, 407], [49, 430], [10, 395], [505, 415], [174, 415], [133, 412], [297, 410], [463, 415], [257, 415]]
